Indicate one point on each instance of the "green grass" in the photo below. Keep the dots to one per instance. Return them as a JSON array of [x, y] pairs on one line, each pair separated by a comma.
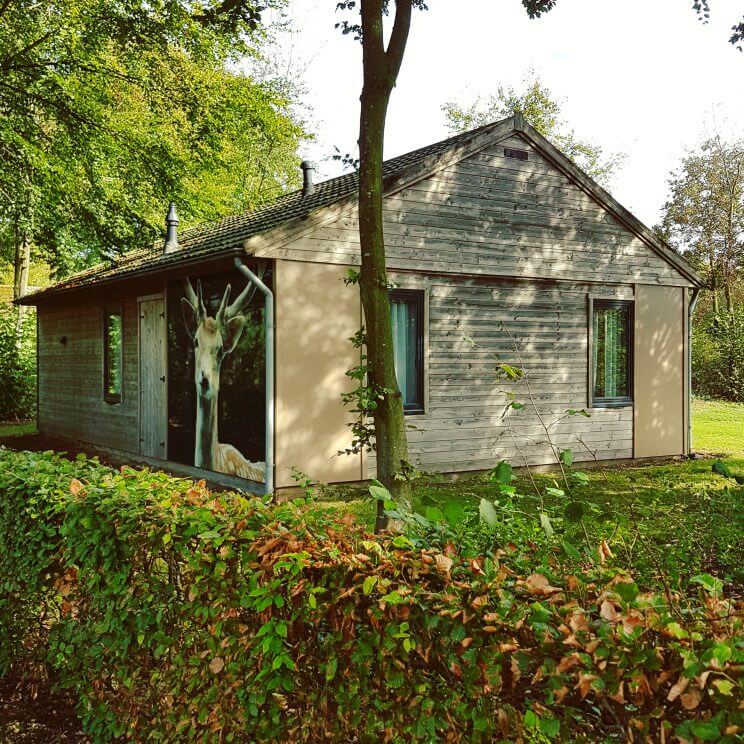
[[16, 430], [718, 427], [678, 517]]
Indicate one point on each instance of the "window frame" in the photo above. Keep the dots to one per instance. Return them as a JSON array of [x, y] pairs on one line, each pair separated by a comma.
[[623, 401], [419, 297], [108, 397]]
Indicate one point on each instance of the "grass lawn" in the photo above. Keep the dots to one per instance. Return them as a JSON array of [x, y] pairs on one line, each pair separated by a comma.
[[678, 517], [16, 430], [718, 427]]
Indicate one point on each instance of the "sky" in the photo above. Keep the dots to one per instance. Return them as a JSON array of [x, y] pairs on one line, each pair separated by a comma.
[[641, 77]]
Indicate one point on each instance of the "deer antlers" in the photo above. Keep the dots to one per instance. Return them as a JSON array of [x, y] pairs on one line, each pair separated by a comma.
[[226, 311]]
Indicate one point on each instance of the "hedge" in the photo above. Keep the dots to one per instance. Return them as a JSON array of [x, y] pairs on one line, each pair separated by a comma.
[[177, 614]]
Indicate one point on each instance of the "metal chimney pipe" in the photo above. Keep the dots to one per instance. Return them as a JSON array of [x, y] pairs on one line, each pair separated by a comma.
[[171, 225], [307, 178]]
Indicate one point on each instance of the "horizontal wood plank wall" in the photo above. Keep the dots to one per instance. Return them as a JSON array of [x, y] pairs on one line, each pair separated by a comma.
[[464, 427], [493, 215], [71, 376]]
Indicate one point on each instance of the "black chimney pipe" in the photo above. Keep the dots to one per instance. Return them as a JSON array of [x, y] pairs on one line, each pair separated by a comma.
[[307, 178]]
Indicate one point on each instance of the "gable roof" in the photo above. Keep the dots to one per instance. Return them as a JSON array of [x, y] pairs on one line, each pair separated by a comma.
[[228, 236]]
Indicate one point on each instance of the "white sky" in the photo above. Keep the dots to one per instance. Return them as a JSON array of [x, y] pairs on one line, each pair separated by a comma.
[[644, 77]]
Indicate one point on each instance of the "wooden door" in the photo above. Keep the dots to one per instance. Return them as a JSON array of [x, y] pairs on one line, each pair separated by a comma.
[[153, 376]]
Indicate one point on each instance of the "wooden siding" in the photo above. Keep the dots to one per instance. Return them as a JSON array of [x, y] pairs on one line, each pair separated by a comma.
[[493, 215], [71, 376], [467, 425]]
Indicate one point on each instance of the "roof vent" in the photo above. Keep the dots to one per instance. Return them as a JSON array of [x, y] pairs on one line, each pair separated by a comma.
[[171, 225], [510, 152], [307, 178]]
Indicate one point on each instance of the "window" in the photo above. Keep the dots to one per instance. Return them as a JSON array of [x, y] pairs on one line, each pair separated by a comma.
[[112, 356], [612, 353], [407, 319]]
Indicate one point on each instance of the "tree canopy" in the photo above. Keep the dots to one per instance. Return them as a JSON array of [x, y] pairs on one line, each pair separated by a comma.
[[704, 219], [111, 110], [704, 215], [543, 111]]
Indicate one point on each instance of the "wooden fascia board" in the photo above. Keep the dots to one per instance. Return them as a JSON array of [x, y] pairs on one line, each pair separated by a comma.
[[605, 199], [51, 293], [265, 245]]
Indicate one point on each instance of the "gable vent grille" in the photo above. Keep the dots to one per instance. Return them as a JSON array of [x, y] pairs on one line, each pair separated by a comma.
[[518, 154]]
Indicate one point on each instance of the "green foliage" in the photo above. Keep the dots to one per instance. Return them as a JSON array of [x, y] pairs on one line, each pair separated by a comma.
[[704, 219], [132, 105], [177, 614], [718, 355], [542, 111], [17, 365]]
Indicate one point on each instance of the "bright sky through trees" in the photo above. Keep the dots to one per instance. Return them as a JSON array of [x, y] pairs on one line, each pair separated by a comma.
[[642, 77]]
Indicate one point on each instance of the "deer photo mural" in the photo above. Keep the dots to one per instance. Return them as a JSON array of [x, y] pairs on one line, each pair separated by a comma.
[[214, 338]]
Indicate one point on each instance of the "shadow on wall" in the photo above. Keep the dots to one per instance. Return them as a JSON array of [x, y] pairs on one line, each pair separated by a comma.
[[469, 425], [659, 371], [316, 315]]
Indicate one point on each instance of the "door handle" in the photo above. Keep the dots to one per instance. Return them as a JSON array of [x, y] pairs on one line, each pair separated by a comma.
[[162, 379]]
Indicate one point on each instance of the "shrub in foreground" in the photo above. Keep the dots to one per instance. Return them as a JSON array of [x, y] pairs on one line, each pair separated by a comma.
[[178, 614]]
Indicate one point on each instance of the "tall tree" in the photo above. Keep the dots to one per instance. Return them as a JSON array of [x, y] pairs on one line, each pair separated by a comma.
[[109, 110], [543, 111], [381, 65], [704, 216]]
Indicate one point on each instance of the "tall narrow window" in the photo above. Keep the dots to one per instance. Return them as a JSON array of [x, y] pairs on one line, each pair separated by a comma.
[[407, 319], [612, 353], [112, 356]]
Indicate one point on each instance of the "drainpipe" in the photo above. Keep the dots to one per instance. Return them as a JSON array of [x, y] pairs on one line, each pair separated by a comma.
[[690, 311], [269, 361]]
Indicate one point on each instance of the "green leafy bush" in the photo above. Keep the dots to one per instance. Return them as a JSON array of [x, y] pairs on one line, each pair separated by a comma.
[[17, 365], [178, 614], [718, 357]]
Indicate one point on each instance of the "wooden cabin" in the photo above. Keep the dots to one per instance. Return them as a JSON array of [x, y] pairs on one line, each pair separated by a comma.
[[225, 350]]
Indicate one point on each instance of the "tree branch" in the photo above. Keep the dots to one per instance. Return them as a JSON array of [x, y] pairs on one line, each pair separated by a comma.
[[5, 6], [4, 64], [398, 38]]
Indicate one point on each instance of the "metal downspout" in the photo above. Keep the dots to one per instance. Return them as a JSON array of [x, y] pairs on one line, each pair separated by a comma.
[[269, 362], [690, 311]]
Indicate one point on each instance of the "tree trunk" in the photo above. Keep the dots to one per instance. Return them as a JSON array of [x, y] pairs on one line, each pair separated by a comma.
[[21, 269], [380, 73], [22, 266]]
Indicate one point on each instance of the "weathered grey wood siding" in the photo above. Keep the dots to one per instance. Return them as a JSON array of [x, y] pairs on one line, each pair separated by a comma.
[[71, 376], [493, 215], [539, 327]]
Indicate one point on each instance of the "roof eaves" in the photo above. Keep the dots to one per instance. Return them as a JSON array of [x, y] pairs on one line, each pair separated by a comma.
[[153, 268]]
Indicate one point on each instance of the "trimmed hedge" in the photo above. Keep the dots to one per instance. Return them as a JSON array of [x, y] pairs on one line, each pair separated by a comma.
[[178, 614]]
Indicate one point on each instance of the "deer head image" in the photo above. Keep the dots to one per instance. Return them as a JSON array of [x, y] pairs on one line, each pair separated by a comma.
[[213, 339]]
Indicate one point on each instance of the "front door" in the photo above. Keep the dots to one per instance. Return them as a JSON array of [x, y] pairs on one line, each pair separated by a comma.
[[153, 386]]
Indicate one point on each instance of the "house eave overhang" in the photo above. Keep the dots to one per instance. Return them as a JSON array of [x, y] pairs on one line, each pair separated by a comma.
[[153, 269]]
